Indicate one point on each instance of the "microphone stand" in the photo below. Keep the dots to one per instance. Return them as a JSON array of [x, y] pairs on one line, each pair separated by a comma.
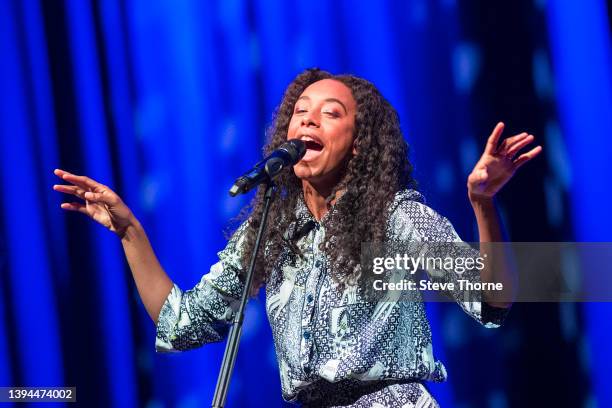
[[231, 348]]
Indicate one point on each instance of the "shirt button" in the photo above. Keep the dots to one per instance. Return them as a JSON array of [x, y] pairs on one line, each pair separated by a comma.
[[307, 370], [318, 263], [306, 335], [309, 298]]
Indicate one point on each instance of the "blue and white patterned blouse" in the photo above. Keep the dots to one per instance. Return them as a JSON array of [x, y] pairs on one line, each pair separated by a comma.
[[328, 341]]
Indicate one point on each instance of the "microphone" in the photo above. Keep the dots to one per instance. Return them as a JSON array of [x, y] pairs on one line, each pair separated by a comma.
[[286, 155]]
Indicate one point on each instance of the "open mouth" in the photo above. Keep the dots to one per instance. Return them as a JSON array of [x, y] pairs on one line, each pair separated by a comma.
[[313, 145]]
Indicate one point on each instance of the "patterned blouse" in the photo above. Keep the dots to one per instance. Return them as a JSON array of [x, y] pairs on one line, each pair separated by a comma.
[[329, 342]]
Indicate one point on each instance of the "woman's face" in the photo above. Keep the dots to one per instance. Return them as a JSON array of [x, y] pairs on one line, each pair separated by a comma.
[[324, 119]]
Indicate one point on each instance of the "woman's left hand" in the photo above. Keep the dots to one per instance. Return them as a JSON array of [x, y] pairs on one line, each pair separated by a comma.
[[498, 163]]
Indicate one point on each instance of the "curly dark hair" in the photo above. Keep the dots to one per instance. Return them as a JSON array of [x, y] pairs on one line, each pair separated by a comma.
[[379, 169]]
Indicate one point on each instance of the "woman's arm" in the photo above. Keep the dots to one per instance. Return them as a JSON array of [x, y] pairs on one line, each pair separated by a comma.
[[497, 268], [104, 206], [495, 168], [151, 280]]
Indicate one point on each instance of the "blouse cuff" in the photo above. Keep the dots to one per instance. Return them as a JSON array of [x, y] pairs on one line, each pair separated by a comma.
[[168, 320]]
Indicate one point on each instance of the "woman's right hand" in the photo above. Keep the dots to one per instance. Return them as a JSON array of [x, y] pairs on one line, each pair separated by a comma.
[[101, 203]]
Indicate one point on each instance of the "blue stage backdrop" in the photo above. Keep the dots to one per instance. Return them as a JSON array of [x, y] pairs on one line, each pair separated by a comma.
[[168, 101]]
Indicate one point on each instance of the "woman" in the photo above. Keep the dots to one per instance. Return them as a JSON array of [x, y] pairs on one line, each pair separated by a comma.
[[354, 185]]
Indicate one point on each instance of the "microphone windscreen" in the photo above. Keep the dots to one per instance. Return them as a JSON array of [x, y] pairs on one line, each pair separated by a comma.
[[296, 149]]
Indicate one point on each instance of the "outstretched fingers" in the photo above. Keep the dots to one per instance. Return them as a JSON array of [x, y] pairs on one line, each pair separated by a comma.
[[493, 140], [103, 197], [84, 188], [509, 141], [525, 157], [518, 144], [74, 206], [70, 189], [82, 181]]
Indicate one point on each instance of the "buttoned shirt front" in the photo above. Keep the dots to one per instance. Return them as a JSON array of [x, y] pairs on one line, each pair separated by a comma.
[[324, 333]]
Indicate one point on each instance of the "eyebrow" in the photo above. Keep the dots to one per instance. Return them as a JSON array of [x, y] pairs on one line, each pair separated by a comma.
[[328, 100]]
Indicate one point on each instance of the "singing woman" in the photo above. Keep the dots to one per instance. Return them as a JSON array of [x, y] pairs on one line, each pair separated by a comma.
[[334, 346]]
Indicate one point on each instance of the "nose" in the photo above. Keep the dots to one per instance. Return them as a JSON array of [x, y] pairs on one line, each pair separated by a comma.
[[309, 120]]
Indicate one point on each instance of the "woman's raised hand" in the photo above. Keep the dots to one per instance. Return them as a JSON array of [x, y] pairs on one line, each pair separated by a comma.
[[101, 203], [499, 162]]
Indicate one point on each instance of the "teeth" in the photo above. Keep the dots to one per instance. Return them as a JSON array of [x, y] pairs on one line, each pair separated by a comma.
[[310, 139]]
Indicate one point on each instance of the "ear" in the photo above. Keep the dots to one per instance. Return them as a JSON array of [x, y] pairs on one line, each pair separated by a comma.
[[355, 147]]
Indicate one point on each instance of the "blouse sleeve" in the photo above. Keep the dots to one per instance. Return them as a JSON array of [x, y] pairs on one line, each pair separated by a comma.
[[413, 221], [203, 314]]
